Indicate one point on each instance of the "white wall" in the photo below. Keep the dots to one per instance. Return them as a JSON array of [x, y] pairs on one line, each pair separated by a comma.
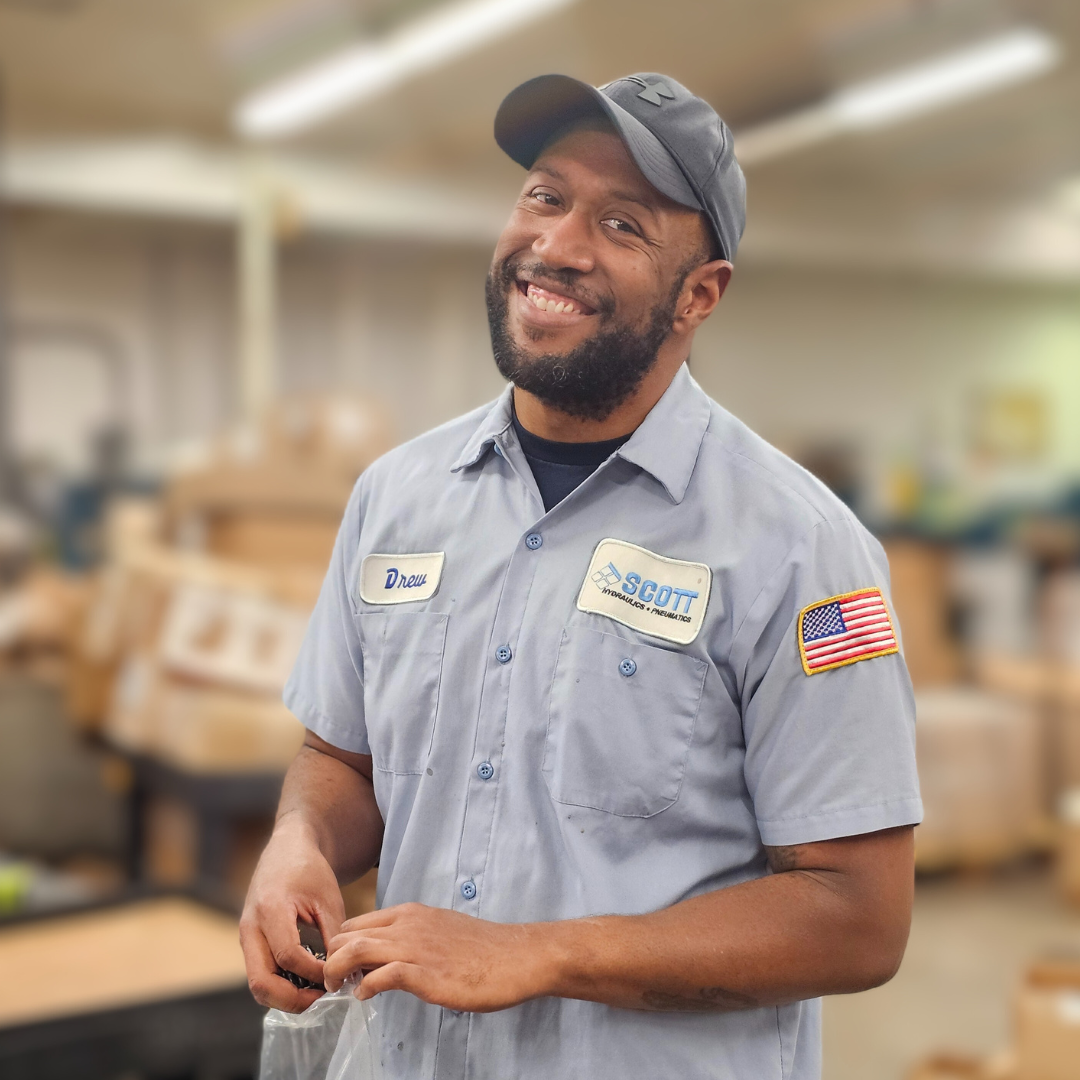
[[893, 366], [888, 365]]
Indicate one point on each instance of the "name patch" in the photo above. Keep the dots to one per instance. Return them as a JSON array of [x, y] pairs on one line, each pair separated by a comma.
[[400, 579], [665, 598]]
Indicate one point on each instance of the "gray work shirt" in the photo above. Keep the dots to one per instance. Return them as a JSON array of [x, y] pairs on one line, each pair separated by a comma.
[[549, 744]]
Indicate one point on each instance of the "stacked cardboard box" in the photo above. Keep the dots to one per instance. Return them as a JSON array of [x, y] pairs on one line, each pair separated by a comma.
[[920, 576], [980, 761], [1048, 1022], [273, 495], [1069, 846], [199, 613], [965, 1067]]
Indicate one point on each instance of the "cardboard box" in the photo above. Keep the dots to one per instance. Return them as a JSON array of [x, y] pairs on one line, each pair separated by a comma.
[[170, 843], [948, 1067], [1029, 678], [1065, 729], [198, 727], [1048, 1022], [274, 538], [1060, 617], [1068, 846], [980, 769], [920, 595], [1036, 682]]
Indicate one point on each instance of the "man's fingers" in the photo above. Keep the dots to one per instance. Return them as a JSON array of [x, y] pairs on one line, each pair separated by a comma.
[[389, 915], [359, 952], [267, 987], [283, 939], [382, 917], [396, 976], [368, 933], [274, 992]]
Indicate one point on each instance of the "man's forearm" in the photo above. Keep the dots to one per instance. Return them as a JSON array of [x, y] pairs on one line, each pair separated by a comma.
[[833, 918], [766, 942], [335, 806]]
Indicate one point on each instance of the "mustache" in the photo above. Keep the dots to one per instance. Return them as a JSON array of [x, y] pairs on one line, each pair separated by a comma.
[[509, 273]]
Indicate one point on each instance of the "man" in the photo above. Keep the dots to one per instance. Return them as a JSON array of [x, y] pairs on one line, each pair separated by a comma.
[[607, 686]]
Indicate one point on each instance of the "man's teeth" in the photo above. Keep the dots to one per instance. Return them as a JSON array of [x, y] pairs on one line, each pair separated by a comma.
[[545, 303]]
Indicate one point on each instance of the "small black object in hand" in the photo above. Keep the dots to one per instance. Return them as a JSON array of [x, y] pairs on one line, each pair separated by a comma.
[[298, 980]]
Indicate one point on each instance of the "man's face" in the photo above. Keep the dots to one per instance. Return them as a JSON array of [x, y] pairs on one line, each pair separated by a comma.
[[585, 277]]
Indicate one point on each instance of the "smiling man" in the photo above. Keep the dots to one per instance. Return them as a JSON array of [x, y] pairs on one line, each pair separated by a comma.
[[608, 688]]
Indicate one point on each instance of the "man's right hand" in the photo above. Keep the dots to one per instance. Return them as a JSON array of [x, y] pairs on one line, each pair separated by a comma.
[[292, 881]]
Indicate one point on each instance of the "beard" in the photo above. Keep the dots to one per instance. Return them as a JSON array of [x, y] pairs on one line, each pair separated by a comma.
[[594, 378]]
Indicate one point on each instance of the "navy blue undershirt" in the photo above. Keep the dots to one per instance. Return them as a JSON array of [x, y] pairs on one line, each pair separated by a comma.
[[559, 467]]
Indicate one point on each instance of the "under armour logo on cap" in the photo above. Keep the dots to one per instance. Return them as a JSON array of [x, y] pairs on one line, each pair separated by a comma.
[[654, 91]]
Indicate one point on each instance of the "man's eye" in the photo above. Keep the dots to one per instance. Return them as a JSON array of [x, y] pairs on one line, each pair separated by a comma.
[[619, 225], [546, 197]]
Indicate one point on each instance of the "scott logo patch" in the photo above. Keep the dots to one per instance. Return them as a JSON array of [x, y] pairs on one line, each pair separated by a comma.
[[400, 579], [665, 598]]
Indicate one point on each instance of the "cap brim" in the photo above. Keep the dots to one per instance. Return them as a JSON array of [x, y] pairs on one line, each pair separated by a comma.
[[533, 112]]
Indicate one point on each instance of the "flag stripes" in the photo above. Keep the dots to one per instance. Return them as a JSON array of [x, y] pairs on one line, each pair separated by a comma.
[[845, 629]]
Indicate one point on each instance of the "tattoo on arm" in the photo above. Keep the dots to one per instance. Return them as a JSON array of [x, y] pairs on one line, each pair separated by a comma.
[[782, 859], [708, 999], [719, 998]]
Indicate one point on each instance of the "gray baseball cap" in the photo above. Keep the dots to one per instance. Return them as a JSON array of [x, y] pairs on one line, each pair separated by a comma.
[[677, 140]]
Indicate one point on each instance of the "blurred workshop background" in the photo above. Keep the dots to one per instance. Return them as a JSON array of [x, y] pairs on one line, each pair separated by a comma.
[[242, 248]]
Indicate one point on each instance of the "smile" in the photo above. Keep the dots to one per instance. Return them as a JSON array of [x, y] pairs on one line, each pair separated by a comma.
[[551, 302]]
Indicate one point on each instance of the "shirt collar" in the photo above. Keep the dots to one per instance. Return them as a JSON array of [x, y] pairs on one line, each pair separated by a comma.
[[498, 418], [665, 445], [667, 441]]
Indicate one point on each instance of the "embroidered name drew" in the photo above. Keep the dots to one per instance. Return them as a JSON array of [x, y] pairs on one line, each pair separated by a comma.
[[400, 579], [662, 597], [845, 629]]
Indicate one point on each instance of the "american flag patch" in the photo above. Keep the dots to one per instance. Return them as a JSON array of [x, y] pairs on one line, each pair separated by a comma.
[[844, 630]]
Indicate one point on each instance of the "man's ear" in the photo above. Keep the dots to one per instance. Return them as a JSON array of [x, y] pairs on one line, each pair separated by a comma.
[[700, 293]]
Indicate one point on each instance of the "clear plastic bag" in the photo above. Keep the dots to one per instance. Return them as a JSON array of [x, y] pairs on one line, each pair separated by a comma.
[[334, 1038]]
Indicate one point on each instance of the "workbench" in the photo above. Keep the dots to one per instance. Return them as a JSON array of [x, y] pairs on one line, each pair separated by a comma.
[[151, 987]]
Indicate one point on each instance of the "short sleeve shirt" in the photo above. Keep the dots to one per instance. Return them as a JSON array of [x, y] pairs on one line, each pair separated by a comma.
[[604, 709]]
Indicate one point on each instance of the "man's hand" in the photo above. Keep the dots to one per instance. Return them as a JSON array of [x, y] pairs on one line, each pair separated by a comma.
[[328, 829], [292, 881], [832, 918], [443, 957]]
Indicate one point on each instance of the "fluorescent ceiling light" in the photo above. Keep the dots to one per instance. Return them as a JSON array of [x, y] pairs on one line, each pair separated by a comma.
[[991, 64], [366, 70], [1009, 58]]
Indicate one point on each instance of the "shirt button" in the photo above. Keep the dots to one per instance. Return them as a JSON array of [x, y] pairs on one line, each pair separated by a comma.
[[533, 541], [627, 667], [503, 654], [468, 889], [485, 770]]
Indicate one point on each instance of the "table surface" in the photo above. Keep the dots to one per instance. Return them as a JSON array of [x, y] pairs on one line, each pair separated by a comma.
[[148, 950]]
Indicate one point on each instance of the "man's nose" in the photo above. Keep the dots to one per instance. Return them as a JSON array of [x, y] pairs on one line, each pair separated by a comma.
[[566, 243]]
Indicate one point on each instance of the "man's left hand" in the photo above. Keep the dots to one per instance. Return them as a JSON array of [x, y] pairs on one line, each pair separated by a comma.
[[443, 957]]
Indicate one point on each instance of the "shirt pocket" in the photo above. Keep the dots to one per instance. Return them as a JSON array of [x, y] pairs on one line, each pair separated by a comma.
[[621, 718], [403, 658]]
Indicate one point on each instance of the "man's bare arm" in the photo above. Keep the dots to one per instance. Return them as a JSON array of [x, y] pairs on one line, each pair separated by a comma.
[[330, 793], [832, 918], [328, 830]]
